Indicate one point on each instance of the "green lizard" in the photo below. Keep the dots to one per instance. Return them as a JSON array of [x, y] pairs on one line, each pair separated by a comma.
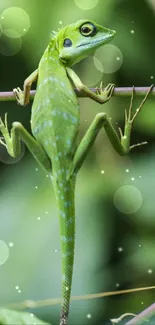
[[55, 127]]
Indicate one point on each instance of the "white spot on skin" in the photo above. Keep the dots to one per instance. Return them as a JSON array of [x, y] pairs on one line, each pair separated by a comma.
[[65, 116], [70, 92], [74, 120], [62, 84], [66, 239], [47, 101], [69, 222], [65, 278], [52, 58], [47, 142], [50, 79], [67, 204], [45, 80], [64, 301], [37, 108], [69, 253], [37, 129], [62, 214], [53, 79], [47, 123]]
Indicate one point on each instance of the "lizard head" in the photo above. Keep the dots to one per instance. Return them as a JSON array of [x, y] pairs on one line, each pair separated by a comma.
[[77, 41]]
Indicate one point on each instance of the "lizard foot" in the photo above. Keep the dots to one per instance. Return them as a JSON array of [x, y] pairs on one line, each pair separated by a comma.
[[4, 131], [106, 93], [19, 96]]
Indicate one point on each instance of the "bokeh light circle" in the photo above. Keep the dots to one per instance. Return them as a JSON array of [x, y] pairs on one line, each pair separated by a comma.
[[9, 46], [0, 30], [15, 18], [92, 76], [11, 33], [4, 252], [7, 159], [128, 199], [110, 58], [86, 4]]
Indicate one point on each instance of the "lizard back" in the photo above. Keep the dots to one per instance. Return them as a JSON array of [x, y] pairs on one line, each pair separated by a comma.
[[55, 125], [55, 111]]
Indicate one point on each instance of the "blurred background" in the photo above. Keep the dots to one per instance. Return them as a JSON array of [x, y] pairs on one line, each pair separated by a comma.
[[115, 209]]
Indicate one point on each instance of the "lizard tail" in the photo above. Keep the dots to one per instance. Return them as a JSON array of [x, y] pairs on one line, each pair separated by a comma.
[[67, 231]]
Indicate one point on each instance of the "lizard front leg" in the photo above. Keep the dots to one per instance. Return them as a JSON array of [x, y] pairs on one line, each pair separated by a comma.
[[23, 97], [101, 97], [13, 144], [121, 145]]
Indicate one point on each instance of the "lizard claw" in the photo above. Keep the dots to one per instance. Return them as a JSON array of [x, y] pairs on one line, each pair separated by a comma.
[[19, 96], [106, 93], [4, 130], [2, 142]]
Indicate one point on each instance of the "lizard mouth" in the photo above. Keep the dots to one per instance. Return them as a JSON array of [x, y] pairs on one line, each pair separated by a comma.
[[101, 40]]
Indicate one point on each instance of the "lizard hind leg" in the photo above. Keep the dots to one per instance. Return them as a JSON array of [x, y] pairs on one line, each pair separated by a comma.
[[13, 144]]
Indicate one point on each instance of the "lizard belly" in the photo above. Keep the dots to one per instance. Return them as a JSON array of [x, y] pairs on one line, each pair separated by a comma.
[[55, 120]]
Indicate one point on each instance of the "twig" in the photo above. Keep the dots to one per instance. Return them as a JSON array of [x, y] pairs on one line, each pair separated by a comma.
[[118, 91], [49, 302], [145, 314], [119, 319]]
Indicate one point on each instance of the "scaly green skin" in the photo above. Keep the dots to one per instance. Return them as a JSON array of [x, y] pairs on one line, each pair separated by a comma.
[[55, 127]]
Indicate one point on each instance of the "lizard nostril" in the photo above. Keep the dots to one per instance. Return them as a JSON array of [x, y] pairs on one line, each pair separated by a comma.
[[67, 42]]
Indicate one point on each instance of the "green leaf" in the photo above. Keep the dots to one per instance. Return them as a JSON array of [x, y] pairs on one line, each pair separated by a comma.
[[12, 317]]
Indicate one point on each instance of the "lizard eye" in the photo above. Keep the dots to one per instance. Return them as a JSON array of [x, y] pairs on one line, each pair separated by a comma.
[[67, 42], [88, 29]]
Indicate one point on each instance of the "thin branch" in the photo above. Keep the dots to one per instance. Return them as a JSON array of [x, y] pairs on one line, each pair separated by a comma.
[[118, 91], [143, 316], [55, 301]]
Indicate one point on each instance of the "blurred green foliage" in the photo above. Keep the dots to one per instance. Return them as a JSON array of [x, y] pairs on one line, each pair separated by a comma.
[[8, 317], [28, 213]]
